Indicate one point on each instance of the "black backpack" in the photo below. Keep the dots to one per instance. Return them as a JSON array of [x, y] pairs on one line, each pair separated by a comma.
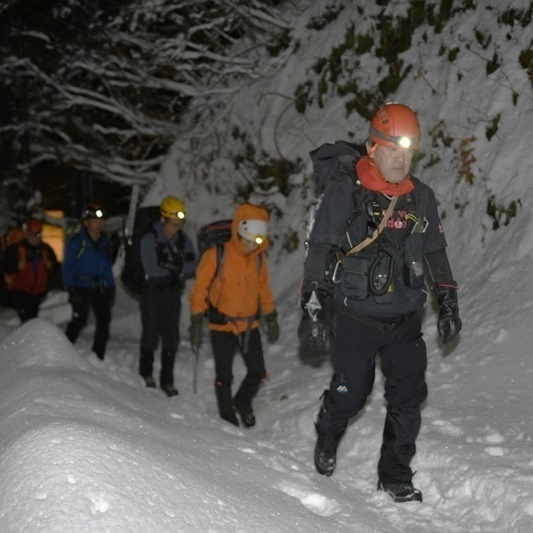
[[216, 234], [212, 234], [133, 275], [327, 159]]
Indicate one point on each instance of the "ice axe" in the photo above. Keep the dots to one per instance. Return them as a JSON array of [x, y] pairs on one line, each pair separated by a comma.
[[196, 355]]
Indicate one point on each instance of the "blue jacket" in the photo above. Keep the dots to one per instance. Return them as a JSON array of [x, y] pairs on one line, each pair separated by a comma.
[[88, 264]]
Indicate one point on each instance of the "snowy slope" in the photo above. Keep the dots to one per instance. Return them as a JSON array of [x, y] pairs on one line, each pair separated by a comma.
[[85, 447]]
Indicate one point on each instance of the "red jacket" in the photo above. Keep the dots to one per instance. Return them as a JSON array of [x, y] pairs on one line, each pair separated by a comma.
[[26, 268], [241, 287]]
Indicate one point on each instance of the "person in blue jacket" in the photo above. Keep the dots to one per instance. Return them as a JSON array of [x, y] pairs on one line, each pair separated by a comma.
[[168, 259], [88, 277]]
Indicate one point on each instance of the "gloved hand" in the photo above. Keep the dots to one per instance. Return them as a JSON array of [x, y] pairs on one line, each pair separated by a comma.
[[313, 330], [271, 326], [449, 324], [196, 331]]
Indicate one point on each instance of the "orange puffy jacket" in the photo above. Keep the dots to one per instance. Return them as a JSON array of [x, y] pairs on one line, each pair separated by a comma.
[[241, 287]]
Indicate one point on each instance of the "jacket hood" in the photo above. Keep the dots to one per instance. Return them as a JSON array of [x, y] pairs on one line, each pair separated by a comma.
[[248, 212]]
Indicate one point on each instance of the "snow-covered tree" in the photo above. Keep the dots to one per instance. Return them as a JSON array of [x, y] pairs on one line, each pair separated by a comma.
[[99, 86]]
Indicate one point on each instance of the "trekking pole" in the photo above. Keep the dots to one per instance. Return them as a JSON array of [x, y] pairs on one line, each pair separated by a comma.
[[196, 354]]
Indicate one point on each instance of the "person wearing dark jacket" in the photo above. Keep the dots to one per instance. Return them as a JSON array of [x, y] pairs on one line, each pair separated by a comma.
[[375, 230], [168, 259], [88, 277], [28, 265]]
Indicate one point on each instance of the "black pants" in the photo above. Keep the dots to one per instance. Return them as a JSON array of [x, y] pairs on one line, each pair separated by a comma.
[[225, 346], [27, 305], [403, 363], [160, 315], [100, 301]]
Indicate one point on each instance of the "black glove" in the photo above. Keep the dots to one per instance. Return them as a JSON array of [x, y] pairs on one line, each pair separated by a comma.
[[271, 326], [313, 330], [449, 324], [196, 331]]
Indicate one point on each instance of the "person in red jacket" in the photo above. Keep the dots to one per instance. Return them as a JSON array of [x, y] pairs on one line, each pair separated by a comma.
[[27, 268], [232, 289]]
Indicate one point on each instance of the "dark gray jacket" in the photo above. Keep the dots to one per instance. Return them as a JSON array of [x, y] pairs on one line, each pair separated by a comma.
[[392, 265]]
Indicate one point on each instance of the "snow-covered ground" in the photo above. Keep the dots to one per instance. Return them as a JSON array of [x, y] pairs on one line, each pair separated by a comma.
[[85, 447]]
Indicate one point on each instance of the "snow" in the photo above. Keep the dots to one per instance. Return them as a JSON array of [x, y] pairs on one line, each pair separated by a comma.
[[86, 447]]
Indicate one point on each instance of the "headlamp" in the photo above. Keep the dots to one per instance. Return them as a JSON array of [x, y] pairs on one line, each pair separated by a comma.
[[173, 215], [401, 141], [93, 212]]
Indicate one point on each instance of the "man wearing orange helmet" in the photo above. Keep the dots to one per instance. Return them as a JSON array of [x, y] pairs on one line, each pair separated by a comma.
[[375, 230], [27, 267]]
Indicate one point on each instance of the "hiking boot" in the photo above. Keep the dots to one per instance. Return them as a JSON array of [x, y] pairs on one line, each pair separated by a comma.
[[149, 381], [329, 433], [402, 491], [169, 390], [325, 456], [225, 403], [246, 412]]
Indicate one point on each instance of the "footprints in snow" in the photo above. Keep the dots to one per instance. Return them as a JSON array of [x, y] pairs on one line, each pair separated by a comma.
[[311, 499]]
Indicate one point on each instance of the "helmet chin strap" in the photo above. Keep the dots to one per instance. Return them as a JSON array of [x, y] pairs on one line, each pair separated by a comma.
[[373, 149]]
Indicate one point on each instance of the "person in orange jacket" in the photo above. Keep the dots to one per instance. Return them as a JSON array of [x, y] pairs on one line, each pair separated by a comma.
[[232, 289], [28, 265]]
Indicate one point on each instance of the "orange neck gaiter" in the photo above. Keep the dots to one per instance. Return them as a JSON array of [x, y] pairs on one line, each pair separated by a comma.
[[370, 178]]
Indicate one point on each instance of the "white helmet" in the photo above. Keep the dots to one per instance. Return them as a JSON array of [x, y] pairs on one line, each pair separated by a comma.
[[253, 230]]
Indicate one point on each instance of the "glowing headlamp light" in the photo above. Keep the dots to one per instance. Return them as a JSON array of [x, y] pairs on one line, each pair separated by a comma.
[[173, 215], [404, 142]]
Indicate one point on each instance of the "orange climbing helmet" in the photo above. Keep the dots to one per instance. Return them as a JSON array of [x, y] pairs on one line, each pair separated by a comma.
[[395, 125]]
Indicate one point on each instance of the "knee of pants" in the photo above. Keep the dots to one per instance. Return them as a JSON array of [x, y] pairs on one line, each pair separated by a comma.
[[408, 394], [149, 344], [256, 374], [343, 401]]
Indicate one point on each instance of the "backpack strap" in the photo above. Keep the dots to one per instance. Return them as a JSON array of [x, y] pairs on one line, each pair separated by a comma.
[[421, 223], [82, 247], [221, 255], [369, 240]]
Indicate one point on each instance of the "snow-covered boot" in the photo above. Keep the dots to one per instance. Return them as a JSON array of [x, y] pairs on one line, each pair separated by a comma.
[[246, 412], [169, 389], [149, 381], [225, 402], [402, 491], [329, 433]]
